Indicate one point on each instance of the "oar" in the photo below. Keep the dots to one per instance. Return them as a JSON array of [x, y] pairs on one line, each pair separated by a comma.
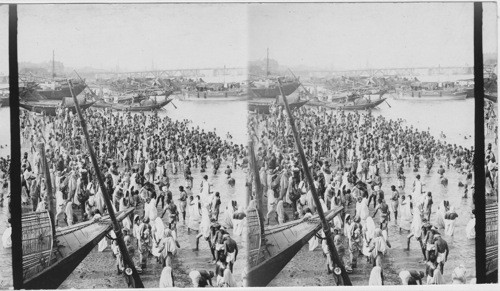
[[388, 104], [173, 104]]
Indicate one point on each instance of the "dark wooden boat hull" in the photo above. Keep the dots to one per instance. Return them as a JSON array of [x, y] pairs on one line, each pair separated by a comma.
[[132, 108], [492, 98], [287, 88], [215, 95], [470, 93], [4, 102], [53, 276], [264, 107], [364, 106], [414, 96], [49, 109], [63, 92], [286, 241]]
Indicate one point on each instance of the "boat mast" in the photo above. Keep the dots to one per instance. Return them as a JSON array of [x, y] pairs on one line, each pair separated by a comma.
[[136, 280], [53, 66], [326, 227], [267, 63], [50, 199]]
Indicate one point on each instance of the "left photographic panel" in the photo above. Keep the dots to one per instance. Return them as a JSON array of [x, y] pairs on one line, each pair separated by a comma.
[[133, 145], [5, 227]]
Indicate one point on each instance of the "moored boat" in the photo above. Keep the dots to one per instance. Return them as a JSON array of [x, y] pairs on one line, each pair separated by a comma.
[[272, 90], [50, 107], [49, 259], [431, 96], [227, 95], [264, 106], [363, 105], [60, 92], [142, 106], [271, 251], [470, 92], [4, 101], [493, 97]]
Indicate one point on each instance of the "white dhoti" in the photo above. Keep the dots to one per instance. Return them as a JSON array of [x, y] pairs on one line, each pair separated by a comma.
[[195, 277], [231, 257], [405, 276], [441, 257], [313, 243]]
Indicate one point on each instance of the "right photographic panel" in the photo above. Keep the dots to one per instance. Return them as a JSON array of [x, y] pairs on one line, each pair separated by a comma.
[[490, 40], [361, 143]]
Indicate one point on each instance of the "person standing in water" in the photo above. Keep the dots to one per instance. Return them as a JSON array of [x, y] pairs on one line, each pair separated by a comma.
[[183, 203], [394, 203], [442, 251]]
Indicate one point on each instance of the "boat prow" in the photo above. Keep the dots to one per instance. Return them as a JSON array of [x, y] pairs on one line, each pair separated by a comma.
[[48, 260], [270, 252]]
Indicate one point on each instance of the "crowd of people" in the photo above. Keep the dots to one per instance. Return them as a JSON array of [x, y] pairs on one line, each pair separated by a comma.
[[139, 156], [491, 166], [350, 155]]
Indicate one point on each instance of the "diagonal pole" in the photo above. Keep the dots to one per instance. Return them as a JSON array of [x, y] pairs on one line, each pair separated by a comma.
[[326, 228], [136, 282]]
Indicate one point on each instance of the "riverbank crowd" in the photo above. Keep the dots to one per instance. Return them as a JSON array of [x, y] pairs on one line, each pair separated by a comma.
[[139, 156], [351, 155]]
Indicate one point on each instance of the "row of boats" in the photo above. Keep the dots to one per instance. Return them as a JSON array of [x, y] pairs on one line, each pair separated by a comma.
[[262, 95]]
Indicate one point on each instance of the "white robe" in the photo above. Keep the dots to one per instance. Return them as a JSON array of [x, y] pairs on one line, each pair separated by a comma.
[[405, 215], [375, 276], [6, 238], [470, 229], [205, 222], [166, 279], [369, 230], [194, 215], [227, 220], [440, 215]]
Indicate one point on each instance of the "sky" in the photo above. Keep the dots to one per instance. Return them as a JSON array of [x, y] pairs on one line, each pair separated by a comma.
[[367, 35], [4, 40], [135, 37], [322, 35]]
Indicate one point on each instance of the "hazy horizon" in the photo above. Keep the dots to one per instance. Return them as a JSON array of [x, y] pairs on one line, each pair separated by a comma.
[[335, 36], [369, 35]]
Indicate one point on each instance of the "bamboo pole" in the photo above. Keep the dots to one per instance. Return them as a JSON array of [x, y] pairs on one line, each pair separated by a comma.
[[136, 279], [50, 199], [258, 186], [326, 228]]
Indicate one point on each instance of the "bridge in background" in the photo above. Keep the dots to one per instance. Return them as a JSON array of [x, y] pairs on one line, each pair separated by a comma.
[[187, 73], [418, 71], [241, 73]]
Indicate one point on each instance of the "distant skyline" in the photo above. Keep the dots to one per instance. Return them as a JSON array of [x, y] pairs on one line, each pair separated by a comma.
[[336, 36]]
